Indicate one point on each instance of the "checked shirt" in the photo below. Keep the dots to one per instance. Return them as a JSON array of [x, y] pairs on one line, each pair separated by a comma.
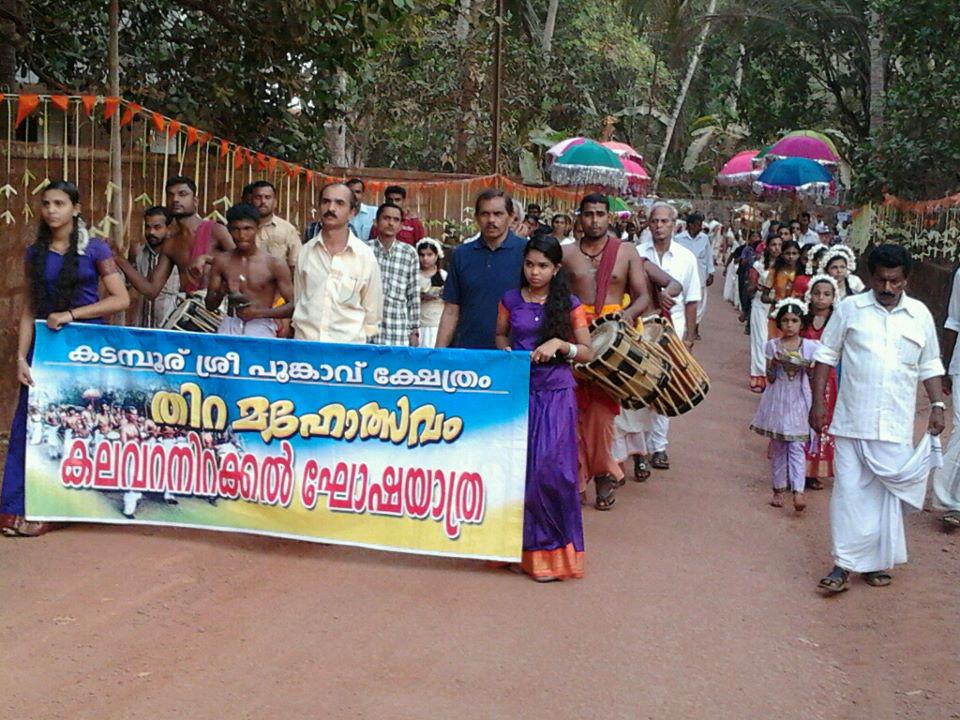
[[400, 275]]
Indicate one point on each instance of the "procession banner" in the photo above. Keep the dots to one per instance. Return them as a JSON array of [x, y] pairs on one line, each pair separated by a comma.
[[400, 449]]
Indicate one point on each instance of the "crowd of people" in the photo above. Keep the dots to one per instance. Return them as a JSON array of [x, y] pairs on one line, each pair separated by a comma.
[[368, 274]]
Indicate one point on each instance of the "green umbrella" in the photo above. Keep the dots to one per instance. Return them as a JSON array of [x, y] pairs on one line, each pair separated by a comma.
[[589, 163], [618, 204]]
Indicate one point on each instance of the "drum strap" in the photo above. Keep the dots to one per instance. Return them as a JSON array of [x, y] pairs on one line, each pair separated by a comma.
[[605, 272]]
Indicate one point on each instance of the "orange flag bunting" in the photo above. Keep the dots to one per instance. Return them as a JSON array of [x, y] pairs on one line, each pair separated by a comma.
[[224, 148], [293, 171], [61, 102], [173, 128], [272, 164], [158, 122], [284, 167], [26, 104], [309, 176], [192, 135], [238, 158], [110, 105], [248, 156], [88, 102], [261, 161], [129, 113], [205, 137]]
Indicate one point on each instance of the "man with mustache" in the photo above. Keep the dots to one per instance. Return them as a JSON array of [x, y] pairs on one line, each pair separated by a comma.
[[156, 225], [189, 247], [478, 275], [887, 342], [337, 290]]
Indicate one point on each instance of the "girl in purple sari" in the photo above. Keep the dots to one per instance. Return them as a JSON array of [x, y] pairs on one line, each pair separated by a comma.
[[544, 319], [63, 271]]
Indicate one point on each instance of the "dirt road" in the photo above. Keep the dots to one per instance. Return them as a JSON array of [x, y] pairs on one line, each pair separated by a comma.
[[699, 602]]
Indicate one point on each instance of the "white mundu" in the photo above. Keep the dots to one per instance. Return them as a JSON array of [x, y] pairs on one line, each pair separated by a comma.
[[946, 481], [884, 355]]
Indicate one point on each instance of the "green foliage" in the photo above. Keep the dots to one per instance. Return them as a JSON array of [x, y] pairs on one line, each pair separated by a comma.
[[232, 66], [917, 153]]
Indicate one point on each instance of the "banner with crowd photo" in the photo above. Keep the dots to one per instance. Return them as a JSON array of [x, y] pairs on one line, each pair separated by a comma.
[[399, 449]]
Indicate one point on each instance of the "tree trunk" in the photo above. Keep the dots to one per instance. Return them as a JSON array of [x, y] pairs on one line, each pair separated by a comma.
[[464, 20], [877, 79], [335, 129], [8, 52], [548, 26], [682, 96], [116, 154]]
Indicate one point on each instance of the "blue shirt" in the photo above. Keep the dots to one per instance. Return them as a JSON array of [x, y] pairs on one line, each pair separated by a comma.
[[362, 222], [477, 277]]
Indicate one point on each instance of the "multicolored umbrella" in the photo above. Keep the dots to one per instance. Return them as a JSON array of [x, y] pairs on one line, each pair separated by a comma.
[[589, 163], [739, 169], [638, 179], [818, 135], [795, 176], [623, 150], [804, 146], [561, 147]]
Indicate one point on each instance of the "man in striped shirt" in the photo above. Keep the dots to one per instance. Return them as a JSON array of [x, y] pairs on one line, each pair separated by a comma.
[[399, 274]]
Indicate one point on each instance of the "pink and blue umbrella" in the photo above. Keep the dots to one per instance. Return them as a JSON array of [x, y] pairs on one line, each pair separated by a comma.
[[803, 146]]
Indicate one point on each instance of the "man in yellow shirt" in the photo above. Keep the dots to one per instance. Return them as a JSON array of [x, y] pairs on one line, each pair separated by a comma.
[[336, 286], [277, 236]]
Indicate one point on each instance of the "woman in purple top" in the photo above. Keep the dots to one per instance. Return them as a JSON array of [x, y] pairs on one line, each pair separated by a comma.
[[63, 270], [544, 319]]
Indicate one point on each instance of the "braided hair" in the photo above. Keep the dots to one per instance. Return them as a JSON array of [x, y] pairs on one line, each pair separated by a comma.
[[556, 310], [62, 296]]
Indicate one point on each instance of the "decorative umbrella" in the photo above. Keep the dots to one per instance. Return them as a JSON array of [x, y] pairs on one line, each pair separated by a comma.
[[759, 160], [623, 150], [91, 394], [795, 176], [638, 179], [804, 146], [814, 134], [739, 169], [561, 147], [589, 163]]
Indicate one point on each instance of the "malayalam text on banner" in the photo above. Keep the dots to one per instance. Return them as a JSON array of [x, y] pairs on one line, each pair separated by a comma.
[[398, 449]]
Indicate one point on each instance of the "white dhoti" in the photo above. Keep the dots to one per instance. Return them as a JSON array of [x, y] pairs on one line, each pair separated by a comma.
[[629, 433], [873, 480], [946, 480], [730, 287], [758, 336], [702, 305], [258, 327]]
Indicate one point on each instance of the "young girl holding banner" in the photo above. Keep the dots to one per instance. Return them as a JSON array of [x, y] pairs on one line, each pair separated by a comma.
[[63, 270], [543, 318]]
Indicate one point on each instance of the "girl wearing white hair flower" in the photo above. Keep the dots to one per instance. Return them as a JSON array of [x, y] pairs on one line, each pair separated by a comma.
[[822, 297], [840, 262], [430, 252], [785, 404]]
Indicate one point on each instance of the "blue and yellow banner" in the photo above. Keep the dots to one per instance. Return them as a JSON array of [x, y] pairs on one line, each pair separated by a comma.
[[400, 449]]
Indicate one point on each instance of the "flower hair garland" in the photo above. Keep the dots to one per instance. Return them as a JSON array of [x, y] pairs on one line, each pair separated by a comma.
[[787, 303], [811, 255], [821, 278], [435, 244], [840, 251]]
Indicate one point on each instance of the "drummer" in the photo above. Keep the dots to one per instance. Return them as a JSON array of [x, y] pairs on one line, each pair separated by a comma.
[[603, 270], [661, 251]]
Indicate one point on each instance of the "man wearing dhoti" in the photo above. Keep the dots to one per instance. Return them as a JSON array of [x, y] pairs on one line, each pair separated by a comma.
[[886, 342], [946, 480]]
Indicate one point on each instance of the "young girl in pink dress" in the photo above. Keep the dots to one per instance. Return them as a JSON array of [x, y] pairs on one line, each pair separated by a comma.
[[785, 405]]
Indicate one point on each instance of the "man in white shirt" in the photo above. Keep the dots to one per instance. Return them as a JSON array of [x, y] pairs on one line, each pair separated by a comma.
[[946, 480], [698, 242], [680, 264], [887, 342], [337, 288], [807, 236]]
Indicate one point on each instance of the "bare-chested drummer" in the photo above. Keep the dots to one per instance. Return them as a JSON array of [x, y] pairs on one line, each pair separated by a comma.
[[251, 279], [603, 270], [189, 247]]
